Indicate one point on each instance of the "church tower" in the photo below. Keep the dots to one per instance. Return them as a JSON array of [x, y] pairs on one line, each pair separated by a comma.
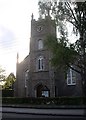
[[42, 77], [35, 76]]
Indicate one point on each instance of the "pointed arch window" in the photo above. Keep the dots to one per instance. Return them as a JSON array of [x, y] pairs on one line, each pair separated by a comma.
[[26, 77], [40, 63], [40, 44]]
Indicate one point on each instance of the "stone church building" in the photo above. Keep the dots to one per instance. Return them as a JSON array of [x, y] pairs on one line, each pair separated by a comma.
[[35, 77]]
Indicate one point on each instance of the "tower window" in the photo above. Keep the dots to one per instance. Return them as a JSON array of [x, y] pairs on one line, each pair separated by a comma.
[[40, 63], [71, 77], [40, 44]]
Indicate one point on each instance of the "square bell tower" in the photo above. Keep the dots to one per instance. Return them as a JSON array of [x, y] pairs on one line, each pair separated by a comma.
[[42, 76]]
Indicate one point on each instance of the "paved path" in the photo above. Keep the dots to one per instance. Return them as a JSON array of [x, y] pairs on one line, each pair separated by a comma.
[[74, 112]]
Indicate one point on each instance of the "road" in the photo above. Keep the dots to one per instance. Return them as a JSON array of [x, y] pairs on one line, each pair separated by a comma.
[[12, 113], [17, 116]]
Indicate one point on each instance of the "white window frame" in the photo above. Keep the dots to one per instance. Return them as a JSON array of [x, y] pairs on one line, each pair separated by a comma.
[[40, 44], [71, 77]]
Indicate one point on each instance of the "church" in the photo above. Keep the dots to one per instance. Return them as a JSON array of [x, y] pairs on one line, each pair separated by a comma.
[[35, 76]]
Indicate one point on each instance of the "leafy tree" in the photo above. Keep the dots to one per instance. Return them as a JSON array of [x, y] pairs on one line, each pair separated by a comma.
[[2, 74], [44, 8], [9, 81], [2, 77], [66, 53]]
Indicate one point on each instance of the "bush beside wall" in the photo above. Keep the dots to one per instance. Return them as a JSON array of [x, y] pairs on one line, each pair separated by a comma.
[[7, 93]]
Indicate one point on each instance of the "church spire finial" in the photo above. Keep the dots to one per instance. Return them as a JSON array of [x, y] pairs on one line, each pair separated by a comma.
[[32, 16], [17, 57]]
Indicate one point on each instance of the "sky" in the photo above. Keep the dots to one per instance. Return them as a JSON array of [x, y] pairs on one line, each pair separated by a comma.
[[15, 20]]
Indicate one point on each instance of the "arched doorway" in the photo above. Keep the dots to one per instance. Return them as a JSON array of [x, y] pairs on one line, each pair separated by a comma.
[[39, 90], [42, 91]]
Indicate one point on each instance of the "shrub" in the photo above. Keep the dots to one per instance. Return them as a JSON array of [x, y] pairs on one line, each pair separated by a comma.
[[46, 101]]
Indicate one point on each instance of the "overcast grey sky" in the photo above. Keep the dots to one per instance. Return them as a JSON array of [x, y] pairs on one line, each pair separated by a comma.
[[15, 21], [15, 18]]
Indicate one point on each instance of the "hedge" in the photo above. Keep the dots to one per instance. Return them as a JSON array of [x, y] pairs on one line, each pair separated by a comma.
[[7, 93], [46, 101]]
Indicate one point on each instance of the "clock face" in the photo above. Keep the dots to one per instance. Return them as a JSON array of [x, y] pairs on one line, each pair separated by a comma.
[[39, 28]]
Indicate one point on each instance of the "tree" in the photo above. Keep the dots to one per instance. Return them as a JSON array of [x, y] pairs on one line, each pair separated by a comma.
[[2, 77], [44, 8], [2, 74], [9, 81], [70, 53]]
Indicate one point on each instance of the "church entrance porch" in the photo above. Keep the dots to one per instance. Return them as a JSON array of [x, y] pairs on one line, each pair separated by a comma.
[[42, 91]]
